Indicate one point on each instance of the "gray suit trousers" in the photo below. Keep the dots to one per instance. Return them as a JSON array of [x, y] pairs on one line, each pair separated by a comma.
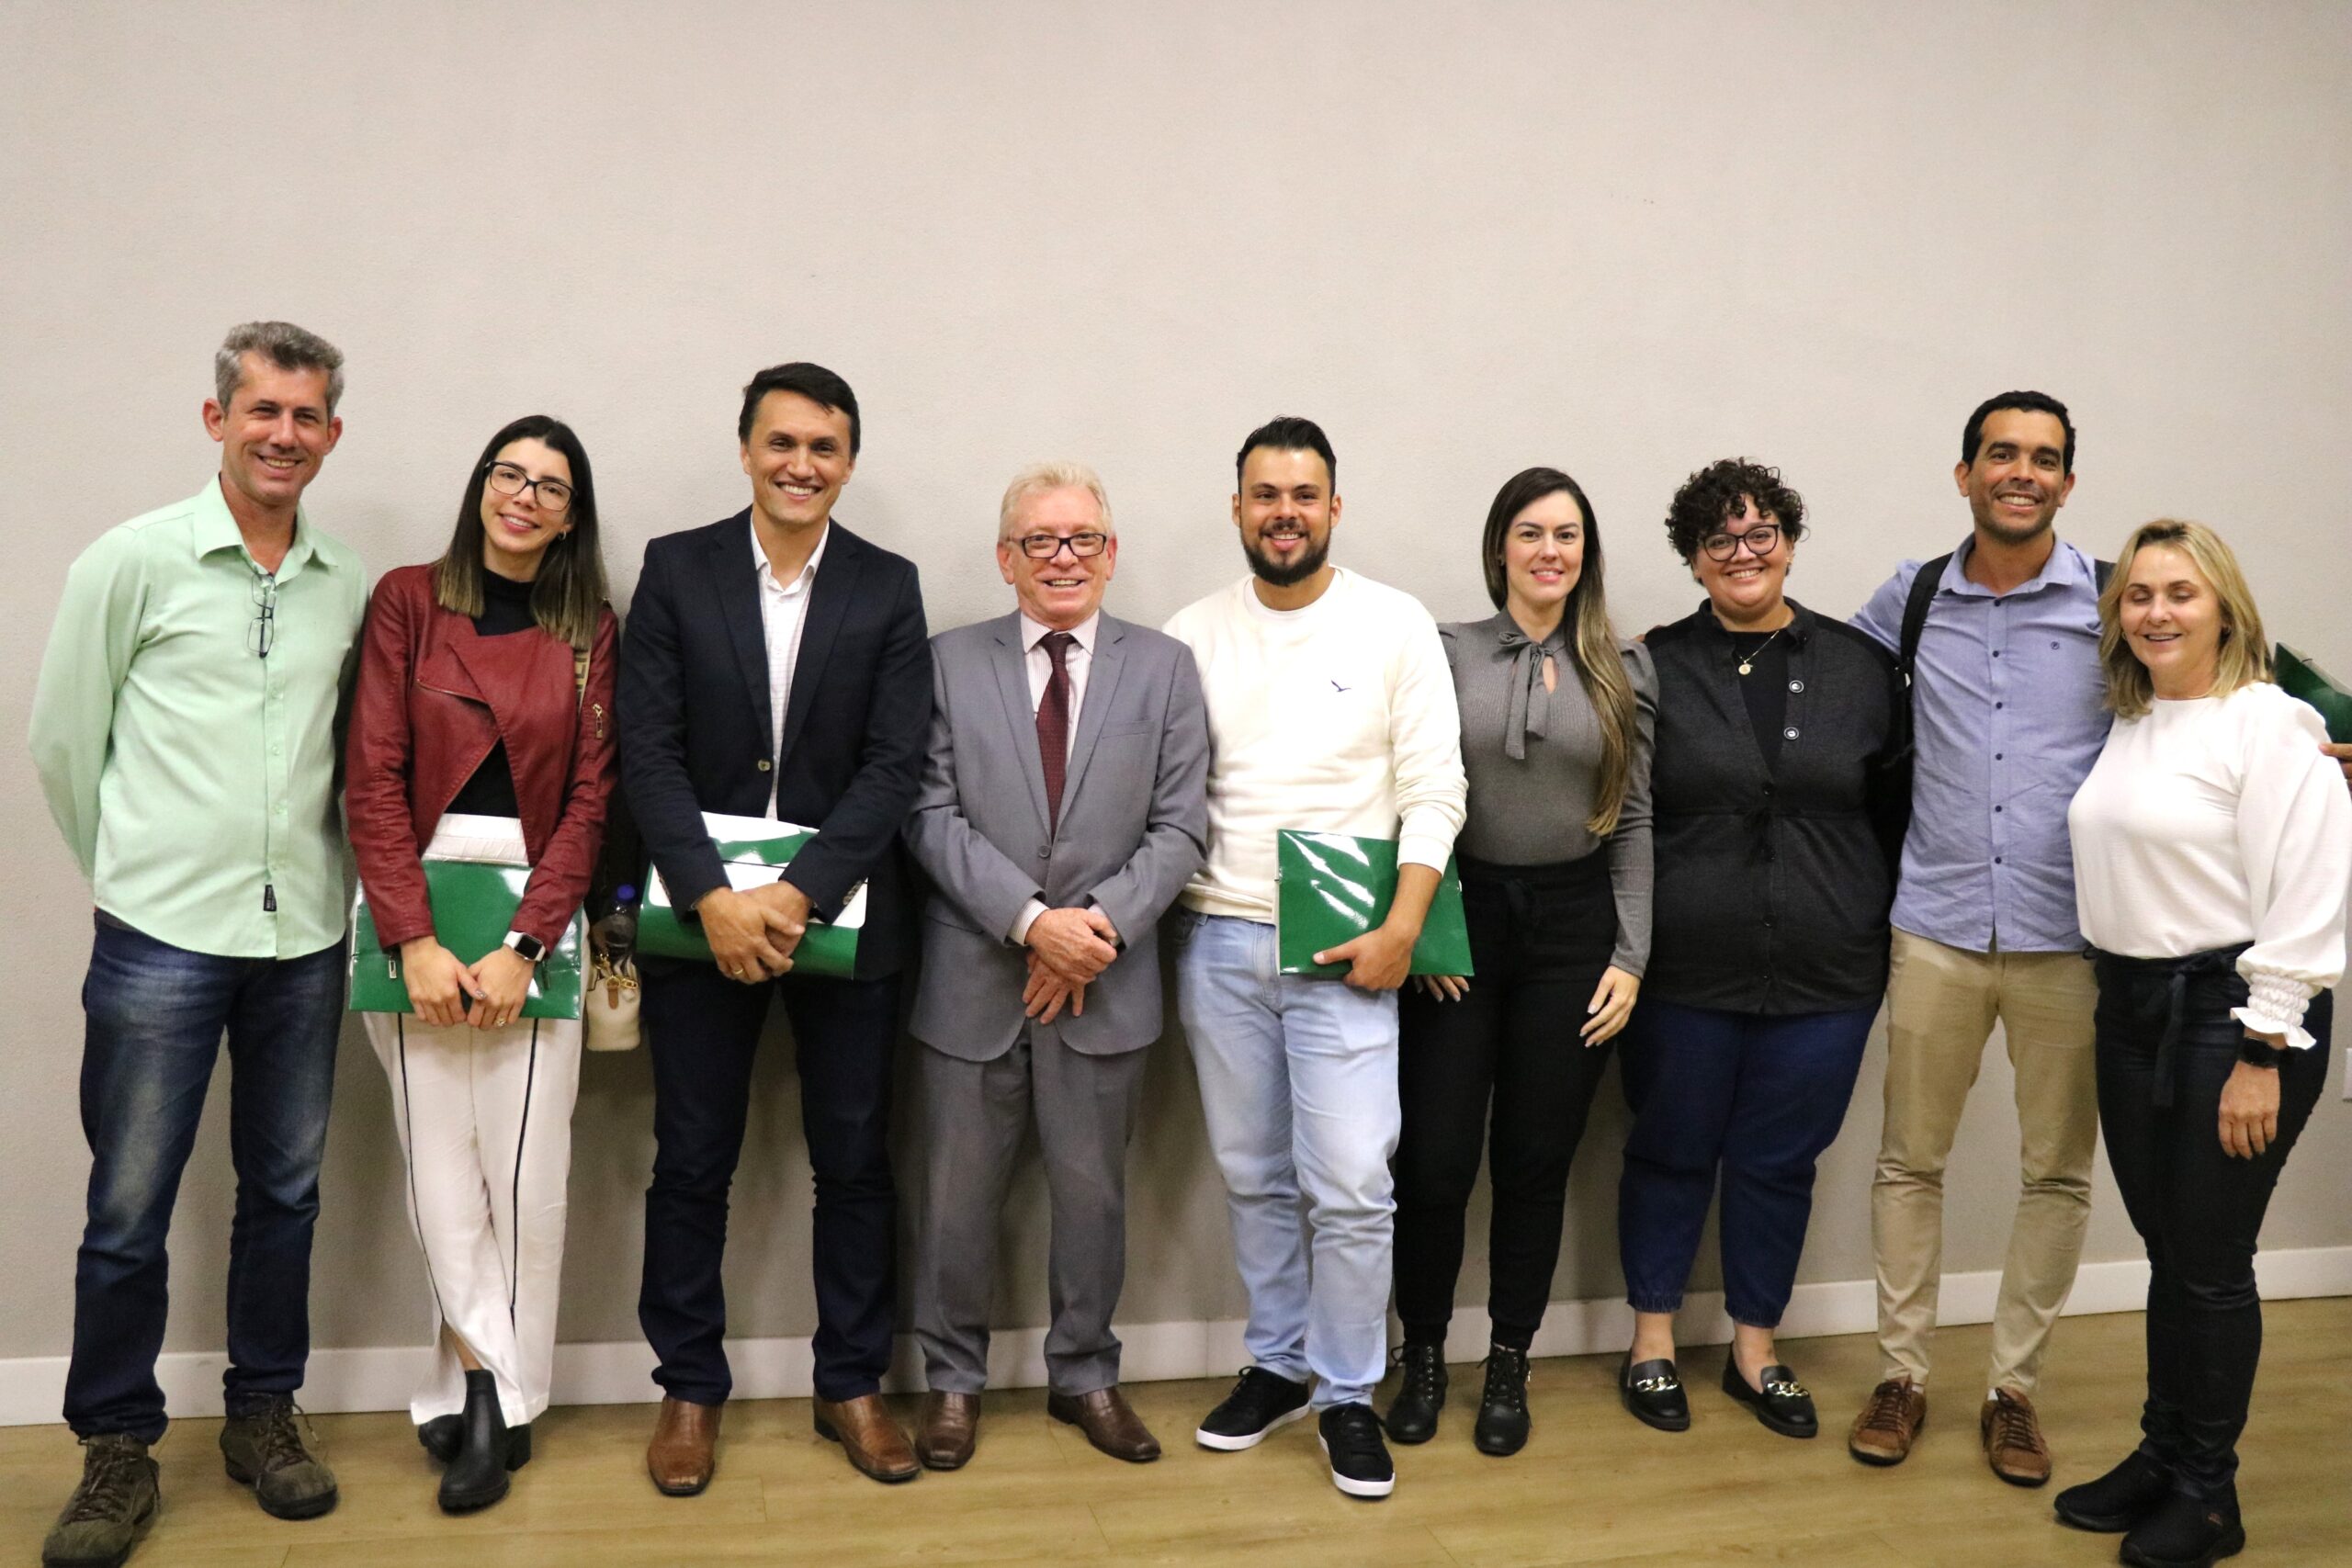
[[973, 1117]]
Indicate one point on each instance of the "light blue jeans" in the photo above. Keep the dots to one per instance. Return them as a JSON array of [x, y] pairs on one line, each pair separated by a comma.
[[1299, 1086]]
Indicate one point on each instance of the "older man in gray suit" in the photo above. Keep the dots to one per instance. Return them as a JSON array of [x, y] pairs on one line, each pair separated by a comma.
[[1063, 806]]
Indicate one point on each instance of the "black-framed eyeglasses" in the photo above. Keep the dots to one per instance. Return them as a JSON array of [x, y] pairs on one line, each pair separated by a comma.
[[1761, 539], [261, 633], [551, 495], [1046, 546]]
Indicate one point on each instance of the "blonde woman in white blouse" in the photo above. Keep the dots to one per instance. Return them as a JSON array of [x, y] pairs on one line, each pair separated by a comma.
[[2212, 851]]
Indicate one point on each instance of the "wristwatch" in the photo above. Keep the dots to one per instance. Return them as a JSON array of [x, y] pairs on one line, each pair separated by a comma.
[[2260, 1053], [529, 948]]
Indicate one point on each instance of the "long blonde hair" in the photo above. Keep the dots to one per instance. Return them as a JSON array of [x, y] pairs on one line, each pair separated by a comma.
[[2244, 657], [1592, 644]]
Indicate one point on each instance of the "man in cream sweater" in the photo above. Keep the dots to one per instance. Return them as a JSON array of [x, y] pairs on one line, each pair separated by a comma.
[[1330, 708]]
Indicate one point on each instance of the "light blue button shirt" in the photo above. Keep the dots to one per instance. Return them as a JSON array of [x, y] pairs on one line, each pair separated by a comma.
[[2008, 708]]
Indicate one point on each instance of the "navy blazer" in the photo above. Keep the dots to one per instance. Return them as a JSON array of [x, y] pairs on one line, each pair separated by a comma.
[[694, 729]]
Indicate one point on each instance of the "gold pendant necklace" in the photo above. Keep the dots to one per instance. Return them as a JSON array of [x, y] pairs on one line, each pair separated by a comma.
[[1749, 663]]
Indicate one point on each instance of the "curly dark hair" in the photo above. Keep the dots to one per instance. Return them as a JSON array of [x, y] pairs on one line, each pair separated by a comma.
[[1710, 497]]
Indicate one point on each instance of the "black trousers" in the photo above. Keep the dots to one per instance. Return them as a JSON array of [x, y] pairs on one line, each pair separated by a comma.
[[2166, 1044], [1540, 938], [702, 1031]]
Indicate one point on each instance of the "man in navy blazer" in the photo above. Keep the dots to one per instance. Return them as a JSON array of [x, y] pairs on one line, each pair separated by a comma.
[[1063, 806], [774, 665]]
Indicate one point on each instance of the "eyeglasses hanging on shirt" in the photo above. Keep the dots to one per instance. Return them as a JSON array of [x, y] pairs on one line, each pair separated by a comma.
[[263, 633]]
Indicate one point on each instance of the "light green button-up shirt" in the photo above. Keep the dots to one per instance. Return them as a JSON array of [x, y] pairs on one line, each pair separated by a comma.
[[193, 777]]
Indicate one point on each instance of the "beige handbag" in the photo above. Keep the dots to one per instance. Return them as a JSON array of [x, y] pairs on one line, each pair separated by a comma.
[[609, 1002]]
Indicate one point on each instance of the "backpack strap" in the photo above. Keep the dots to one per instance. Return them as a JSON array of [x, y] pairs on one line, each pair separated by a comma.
[[1915, 612]]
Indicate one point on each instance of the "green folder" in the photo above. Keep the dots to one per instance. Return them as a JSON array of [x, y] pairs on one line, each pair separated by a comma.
[[2302, 678], [473, 909], [1333, 887], [756, 850]]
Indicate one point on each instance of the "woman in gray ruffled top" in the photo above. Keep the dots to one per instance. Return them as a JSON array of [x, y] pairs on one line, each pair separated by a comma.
[[1558, 716]]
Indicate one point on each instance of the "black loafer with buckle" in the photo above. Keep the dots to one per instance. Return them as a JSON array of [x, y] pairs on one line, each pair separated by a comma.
[[1653, 1392], [1782, 1405]]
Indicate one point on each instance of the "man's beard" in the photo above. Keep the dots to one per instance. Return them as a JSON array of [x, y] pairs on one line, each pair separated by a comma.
[[1305, 566]]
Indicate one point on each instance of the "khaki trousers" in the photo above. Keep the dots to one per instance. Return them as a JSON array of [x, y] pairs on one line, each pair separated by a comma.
[[1941, 1002]]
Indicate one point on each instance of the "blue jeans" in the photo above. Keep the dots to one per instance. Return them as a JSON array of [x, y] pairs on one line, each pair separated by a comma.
[[1298, 1086], [1761, 1097], [156, 1014]]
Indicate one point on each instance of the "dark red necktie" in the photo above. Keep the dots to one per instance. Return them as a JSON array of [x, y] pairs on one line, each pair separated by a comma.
[[1053, 726]]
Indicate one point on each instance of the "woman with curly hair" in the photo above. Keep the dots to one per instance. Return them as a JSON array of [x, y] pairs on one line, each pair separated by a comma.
[[1769, 935], [1556, 884]]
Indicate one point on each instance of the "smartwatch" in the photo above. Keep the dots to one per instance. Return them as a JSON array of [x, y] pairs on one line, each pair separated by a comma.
[[529, 948], [2259, 1053]]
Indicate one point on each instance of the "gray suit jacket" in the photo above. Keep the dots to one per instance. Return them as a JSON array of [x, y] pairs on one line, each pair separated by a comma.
[[1134, 829]]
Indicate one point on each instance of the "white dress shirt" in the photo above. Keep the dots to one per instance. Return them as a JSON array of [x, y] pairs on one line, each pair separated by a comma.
[[784, 611], [1077, 660]]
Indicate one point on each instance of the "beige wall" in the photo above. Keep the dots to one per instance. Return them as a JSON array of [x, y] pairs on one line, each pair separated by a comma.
[[1623, 239]]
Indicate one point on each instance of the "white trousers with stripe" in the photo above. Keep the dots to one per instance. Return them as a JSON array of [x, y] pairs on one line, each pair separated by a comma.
[[485, 1119]]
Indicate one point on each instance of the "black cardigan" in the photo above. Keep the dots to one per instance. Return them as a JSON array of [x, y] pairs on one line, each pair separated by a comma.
[[1773, 884]]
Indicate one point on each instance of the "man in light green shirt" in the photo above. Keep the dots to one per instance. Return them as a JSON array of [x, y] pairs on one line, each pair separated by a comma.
[[185, 730]]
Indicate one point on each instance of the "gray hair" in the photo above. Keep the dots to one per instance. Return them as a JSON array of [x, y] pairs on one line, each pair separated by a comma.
[[1038, 479], [284, 345]]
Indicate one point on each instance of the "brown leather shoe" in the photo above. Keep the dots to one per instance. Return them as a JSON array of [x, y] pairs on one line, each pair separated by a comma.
[[950, 1424], [1889, 1424], [1108, 1421], [684, 1451], [2013, 1444], [866, 1432]]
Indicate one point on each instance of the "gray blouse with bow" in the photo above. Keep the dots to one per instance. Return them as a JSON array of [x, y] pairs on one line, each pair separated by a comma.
[[1533, 760]]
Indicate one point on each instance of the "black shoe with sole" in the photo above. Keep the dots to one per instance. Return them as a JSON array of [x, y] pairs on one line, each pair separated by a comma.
[[477, 1477], [1412, 1415], [1360, 1462], [1783, 1405], [444, 1435], [1653, 1392], [1502, 1409], [2185, 1532], [1260, 1402], [2117, 1500]]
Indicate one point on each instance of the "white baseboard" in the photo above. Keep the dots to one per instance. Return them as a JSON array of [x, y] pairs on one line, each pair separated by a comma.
[[32, 1387]]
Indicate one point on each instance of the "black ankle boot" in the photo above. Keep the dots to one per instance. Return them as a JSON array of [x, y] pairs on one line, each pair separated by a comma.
[[2185, 1532], [2117, 1500], [1412, 1415], [1502, 1422], [444, 1435], [477, 1477]]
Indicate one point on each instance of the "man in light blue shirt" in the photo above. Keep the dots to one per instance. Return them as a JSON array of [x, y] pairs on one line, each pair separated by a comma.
[[185, 730], [2006, 699]]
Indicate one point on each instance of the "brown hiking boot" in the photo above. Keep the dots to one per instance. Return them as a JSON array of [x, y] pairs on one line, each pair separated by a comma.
[[2013, 1444], [118, 1495], [264, 1450], [1889, 1424]]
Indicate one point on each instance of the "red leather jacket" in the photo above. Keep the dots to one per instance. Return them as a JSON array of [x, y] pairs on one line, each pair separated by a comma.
[[433, 698]]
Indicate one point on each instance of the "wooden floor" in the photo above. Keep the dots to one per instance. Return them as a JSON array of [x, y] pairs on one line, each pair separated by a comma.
[[1592, 1487]]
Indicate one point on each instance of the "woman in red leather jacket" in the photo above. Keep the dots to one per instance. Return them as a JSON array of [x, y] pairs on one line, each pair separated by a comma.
[[482, 731]]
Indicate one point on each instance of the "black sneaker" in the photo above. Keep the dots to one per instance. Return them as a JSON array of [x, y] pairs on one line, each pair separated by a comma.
[[1359, 1464], [1259, 1402], [2117, 1500], [2183, 1532], [1412, 1415]]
